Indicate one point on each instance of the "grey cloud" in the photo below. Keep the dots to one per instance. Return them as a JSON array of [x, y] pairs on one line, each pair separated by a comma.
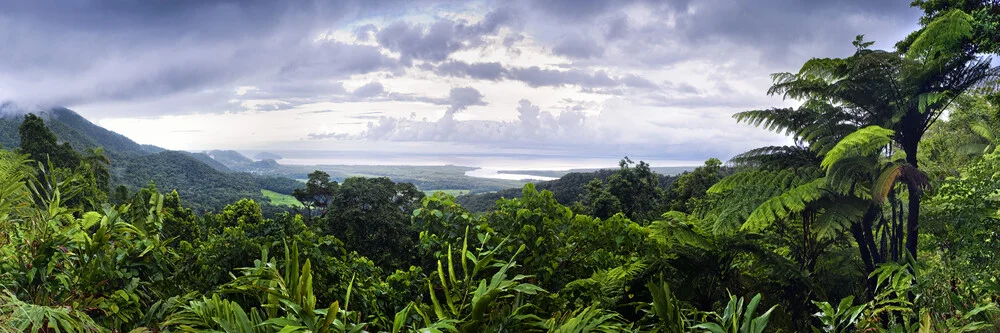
[[535, 76], [331, 58], [617, 28], [369, 90], [579, 47], [775, 32], [538, 77], [492, 71], [576, 10], [296, 89], [462, 98], [96, 52], [318, 112], [732, 100], [636, 81], [324, 136], [512, 39], [365, 32], [527, 114], [434, 42], [532, 125], [682, 87]]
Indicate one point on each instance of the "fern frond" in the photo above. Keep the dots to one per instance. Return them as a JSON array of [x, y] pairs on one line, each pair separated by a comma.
[[885, 182], [838, 214], [776, 157], [780, 207], [867, 141], [674, 228], [942, 36]]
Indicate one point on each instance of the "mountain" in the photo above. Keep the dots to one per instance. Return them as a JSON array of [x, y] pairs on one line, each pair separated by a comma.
[[203, 182], [70, 127], [229, 158]]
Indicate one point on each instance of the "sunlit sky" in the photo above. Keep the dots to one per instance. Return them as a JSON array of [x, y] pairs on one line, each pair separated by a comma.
[[657, 79]]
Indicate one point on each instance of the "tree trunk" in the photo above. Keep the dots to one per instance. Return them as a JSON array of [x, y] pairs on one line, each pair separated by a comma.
[[866, 246], [866, 257], [912, 219], [913, 212]]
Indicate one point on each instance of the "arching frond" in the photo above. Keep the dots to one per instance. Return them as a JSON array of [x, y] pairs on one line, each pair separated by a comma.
[[776, 158], [942, 36], [780, 120], [782, 206], [885, 181], [737, 196], [674, 228], [837, 214], [983, 130], [868, 140], [852, 175], [894, 172]]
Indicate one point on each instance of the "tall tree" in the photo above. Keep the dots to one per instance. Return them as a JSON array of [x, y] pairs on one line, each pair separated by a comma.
[[42, 145], [690, 187], [318, 193], [373, 217]]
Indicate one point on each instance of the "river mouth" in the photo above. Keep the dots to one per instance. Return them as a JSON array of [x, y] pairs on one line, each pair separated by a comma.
[[495, 174]]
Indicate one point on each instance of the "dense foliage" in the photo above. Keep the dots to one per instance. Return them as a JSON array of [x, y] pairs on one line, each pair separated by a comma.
[[882, 216]]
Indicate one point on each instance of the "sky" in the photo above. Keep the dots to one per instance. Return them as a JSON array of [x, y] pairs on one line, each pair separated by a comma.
[[571, 78]]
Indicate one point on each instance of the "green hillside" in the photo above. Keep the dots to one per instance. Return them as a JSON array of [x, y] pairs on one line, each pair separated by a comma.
[[204, 183]]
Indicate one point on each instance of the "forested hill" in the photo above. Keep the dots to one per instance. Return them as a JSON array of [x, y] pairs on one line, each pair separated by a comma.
[[204, 183], [566, 190]]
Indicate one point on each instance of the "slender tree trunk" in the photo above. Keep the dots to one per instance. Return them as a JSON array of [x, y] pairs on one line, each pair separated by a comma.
[[886, 227], [805, 239], [862, 232], [866, 228], [912, 220], [896, 233], [899, 228], [866, 257], [913, 212]]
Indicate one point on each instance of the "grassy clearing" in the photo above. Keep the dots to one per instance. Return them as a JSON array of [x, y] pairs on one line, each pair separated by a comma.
[[451, 192], [279, 199]]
